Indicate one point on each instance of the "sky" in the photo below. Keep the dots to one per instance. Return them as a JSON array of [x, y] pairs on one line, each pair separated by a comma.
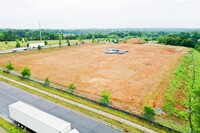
[[81, 14]]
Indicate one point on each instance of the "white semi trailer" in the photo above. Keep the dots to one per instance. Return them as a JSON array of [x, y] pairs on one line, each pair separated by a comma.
[[37, 120]]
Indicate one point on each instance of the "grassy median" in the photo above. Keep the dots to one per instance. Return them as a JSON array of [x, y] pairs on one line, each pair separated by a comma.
[[9, 127]]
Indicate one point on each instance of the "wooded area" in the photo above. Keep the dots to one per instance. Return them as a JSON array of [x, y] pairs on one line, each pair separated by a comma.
[[184, 37]]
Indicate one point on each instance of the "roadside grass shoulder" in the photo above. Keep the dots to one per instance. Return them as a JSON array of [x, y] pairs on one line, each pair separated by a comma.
[[195, 93], [177, 96], [82, 101], [8, 126]]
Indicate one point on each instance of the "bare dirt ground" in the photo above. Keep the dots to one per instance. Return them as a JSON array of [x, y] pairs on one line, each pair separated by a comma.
[[136, 41], [132, 78]]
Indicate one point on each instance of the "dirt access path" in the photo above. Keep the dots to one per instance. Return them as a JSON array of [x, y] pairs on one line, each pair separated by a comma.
[[130, 77]]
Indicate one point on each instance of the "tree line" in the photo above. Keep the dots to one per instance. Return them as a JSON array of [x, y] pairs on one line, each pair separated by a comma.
[[187, 38]]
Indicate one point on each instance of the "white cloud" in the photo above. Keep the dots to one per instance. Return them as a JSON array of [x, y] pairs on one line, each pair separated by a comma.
[[99, 13]]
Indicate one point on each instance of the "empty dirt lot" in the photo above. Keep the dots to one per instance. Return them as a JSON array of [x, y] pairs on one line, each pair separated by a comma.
[[131, 78]]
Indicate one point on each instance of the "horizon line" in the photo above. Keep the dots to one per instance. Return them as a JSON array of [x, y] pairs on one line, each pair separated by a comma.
[[99, 28]]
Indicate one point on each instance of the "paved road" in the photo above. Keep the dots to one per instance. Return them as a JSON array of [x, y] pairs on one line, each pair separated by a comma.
[[5, 51], [83, 124], [45, 47]]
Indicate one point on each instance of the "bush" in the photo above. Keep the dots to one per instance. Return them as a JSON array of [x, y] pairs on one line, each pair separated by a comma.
[[25, 72], [197, 46], [27, 45], [60, 42], [6, 42], [45, 42], [17, 43], [39, 47], [47, 82], [93, 39], [9, 67], [105, 97], [16, 130], [149, 112], [71, 88], [124, 40], [68, 43]]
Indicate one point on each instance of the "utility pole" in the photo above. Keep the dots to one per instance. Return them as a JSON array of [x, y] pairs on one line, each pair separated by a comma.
[[40, 31]]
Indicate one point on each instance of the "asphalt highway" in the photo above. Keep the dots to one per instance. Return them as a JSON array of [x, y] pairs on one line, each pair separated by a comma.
[[84, 124]]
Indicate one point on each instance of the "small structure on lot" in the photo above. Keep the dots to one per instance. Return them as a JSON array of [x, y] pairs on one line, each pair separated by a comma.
[[115, 51], [35, 45]]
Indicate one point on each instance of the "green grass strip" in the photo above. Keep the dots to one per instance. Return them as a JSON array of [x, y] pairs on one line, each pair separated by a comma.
[[9, 127]]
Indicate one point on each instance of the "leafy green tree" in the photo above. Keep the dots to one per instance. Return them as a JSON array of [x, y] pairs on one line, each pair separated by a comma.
[[9, 35], [93, 39], [39, 47], [9, 67], [68, 43], [71, 88], [28, 35], [197, 46], [25, 39], [47, 82], [26, 72], [17, 43], [149, 112], [105, 97], [1, 36], [45, 42], [60, 42]]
